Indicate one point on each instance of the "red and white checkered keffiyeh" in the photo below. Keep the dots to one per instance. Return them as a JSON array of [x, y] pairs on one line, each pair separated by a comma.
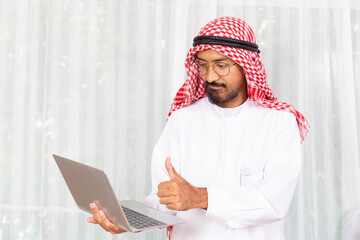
[[258, 90]]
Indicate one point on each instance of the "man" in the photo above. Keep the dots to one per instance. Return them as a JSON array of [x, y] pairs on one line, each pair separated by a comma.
[[229, 157]]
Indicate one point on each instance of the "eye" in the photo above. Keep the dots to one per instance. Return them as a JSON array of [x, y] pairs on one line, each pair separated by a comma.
[[221, 65], [202, 65]]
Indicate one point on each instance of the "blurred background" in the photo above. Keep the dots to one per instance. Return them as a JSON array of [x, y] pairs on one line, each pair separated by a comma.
[[93, 80]]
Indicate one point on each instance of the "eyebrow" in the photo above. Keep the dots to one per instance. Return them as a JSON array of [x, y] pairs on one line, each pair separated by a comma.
[[215, 60]]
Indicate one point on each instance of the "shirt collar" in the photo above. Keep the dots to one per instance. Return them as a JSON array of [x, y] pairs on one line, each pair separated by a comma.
[[230, 111]]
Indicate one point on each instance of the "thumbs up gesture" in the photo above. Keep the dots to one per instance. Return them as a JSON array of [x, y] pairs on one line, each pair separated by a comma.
[[178, 194]]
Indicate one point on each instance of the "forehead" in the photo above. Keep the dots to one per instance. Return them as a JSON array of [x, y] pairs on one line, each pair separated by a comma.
[[211, 55]]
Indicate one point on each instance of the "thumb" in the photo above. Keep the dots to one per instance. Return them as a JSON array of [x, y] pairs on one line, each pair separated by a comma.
[[170, 169]]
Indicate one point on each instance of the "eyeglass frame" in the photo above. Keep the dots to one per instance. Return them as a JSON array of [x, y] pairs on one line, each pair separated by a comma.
[[213, 67]]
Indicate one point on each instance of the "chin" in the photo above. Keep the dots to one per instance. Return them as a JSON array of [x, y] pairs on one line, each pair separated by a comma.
[[217, 99]]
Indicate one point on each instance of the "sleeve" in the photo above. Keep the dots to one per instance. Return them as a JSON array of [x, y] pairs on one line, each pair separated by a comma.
[[269, 199], [167, 145]]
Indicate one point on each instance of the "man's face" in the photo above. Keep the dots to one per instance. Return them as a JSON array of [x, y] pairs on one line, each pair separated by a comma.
[[225, 91]]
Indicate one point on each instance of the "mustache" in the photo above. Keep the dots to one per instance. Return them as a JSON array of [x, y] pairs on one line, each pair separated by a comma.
[[214, 84]]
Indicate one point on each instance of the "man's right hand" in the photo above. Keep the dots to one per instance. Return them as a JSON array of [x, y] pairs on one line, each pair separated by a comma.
[[100, 218]]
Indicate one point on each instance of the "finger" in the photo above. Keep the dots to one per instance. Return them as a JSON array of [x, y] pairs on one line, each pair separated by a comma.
[[99, 216], [167, 200], [114, 229], [173, 206], [164, 185], [106, 224], [92, 220], [162, 194], [170, 169], [101, 219], [118, 232], [95, 211], [109, 226], [168, 192]]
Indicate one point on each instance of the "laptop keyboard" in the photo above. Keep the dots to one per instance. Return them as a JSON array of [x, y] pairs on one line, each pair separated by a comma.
[[139, 221]]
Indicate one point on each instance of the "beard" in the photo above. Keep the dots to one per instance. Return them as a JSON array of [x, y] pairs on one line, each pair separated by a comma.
[[221, 94]]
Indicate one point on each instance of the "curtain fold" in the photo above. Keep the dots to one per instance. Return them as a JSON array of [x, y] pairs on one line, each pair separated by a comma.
[[93, 81]]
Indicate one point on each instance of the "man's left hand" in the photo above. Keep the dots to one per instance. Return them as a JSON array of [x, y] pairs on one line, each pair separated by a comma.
[[178, 194]]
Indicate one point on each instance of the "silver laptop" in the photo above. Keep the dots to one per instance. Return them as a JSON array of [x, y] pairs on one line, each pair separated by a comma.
[[88, 184]]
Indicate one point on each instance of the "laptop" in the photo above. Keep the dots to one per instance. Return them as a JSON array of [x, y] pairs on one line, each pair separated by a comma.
[[88, 184]]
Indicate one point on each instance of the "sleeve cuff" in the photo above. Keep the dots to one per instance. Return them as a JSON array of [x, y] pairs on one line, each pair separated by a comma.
[[209, 210]]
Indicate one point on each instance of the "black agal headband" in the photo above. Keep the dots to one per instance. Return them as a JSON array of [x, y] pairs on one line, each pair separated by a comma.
[[224, 41]]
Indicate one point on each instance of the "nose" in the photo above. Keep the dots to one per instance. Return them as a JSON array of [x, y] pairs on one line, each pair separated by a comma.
[[211, 75]]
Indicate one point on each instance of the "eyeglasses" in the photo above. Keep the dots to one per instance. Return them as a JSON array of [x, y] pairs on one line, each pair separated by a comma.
[[221, 69]]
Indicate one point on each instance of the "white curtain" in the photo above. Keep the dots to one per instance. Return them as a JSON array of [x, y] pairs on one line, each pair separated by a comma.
[[93, 80]]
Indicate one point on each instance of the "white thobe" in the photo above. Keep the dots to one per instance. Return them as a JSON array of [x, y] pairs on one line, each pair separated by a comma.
[[248, 158]]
